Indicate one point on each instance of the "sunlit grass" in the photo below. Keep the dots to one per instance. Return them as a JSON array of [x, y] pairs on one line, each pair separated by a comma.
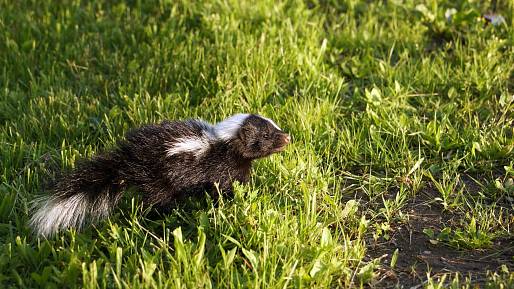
[[384, 100]]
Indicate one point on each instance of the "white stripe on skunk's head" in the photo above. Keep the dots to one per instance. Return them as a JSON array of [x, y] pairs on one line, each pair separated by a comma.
[[229, 128], [254, 136], [272, 123]]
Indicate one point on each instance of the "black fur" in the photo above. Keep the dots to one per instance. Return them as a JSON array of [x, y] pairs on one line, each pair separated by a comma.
[[142, 160]]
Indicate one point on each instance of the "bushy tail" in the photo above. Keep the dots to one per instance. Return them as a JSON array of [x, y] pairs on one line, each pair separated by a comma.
[[86, 194]]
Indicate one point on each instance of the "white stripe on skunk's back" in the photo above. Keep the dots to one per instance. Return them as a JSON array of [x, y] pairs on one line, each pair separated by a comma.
[[194, 144]]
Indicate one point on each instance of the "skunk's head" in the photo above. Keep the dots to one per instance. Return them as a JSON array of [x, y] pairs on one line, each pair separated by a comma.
[[252, 135]]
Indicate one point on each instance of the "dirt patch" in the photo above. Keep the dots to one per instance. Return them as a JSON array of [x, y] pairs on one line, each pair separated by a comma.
[[418, 256]]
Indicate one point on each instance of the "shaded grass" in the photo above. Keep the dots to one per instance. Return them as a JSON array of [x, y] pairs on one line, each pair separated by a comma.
[[384, 100]]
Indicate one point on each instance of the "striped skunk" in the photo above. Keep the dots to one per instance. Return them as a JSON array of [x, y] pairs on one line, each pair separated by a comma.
[[162, 161]]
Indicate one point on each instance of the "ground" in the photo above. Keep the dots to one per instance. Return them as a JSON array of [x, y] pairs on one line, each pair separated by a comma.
[[419, 255], [399, 174]]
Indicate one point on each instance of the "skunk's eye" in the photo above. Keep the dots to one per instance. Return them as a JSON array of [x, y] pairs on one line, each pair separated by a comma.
[[256, 145]]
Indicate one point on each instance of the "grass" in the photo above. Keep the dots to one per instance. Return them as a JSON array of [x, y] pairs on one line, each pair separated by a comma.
[[401, 120]]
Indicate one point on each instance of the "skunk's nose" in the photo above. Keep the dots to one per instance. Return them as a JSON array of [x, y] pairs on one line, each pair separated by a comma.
[[282, 141], [286, 139]]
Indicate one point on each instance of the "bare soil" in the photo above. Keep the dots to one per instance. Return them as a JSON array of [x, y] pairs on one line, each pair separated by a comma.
[[418, 256]]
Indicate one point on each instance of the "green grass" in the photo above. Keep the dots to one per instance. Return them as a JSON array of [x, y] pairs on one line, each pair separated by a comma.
[[386, 101]]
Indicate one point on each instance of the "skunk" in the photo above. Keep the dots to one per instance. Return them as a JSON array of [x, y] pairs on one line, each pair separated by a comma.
[[163, 162]]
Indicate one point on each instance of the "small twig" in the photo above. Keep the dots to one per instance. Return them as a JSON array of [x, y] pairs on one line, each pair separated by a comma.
[[496, 253]]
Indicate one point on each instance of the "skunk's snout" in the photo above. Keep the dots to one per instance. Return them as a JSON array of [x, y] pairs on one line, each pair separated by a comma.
[[283, 140], [286, 138]]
